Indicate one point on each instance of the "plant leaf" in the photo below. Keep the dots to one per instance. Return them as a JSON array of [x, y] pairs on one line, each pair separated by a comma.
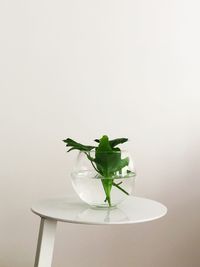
[[118, 141], [74, 145], [108, 160]]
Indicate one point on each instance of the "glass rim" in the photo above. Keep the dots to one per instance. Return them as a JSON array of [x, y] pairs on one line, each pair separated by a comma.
[[99, 176]]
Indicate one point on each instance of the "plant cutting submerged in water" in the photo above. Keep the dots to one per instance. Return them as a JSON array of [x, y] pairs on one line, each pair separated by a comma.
[[106, 159]]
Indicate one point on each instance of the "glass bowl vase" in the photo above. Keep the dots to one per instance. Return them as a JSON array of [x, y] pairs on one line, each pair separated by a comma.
[[105, 187]]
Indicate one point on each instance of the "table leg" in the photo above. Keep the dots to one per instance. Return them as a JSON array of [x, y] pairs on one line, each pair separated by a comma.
[[45, 245]]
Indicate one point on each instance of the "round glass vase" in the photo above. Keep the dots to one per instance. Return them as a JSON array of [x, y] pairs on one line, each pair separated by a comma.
[[105, 182]]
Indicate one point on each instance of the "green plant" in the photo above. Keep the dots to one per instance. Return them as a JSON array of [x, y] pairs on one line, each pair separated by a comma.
[[107, 161]]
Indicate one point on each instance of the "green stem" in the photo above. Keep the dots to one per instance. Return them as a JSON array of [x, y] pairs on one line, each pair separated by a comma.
[[119, 187], [94, 167], [119, 183], [91, 160], [107, 185]]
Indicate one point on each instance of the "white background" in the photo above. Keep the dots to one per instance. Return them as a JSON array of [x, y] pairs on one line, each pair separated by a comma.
[[81, 69]]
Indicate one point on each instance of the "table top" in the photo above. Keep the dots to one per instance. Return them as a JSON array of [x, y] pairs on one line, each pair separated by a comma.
[[73, 210]]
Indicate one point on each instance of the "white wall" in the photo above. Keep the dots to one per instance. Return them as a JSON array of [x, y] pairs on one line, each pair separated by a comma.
[[81, 69]]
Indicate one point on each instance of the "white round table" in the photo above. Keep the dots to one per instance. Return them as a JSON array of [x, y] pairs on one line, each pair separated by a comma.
[[71, 210]]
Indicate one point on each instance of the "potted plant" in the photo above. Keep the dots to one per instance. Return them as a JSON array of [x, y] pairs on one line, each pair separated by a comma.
[[103, 175]]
